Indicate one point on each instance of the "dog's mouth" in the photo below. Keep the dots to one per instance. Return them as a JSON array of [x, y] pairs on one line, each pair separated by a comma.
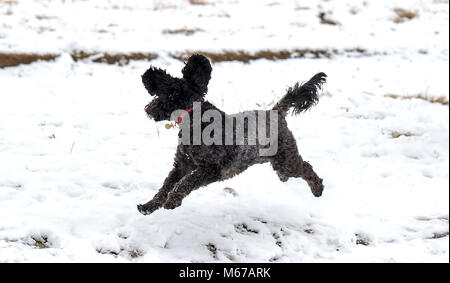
[[150, 109]]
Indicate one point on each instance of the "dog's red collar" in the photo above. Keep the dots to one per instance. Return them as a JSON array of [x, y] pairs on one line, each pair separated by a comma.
[[180, 118]]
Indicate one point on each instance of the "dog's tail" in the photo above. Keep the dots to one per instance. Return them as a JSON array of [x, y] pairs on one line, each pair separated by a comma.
[[302, 96]]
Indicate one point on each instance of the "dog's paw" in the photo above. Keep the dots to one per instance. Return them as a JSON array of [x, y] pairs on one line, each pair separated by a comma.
[[147, 209], [317, 190], [173, 201], [282, 178]]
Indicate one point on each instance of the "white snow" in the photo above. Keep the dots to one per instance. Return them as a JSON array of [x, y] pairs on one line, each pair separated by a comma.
[[77, 152]]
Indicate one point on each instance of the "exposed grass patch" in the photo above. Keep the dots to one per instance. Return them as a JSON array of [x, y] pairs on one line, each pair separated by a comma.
[[278, 241], [163, 6], [109, 58], [184, 31], [300, 8], [362, 240], [397, 134], [8, 2], [324, 19], [212, 249], [15, 59], [240, 56], [440, 100], [440, 235], [41, 242], [101, 31], [404, 15], [231, 191], [200, 2], [107, 252], [246, 57], [132, 253], [44, 17], [243, 228], [135, 253], [274, 259], [354, 11]]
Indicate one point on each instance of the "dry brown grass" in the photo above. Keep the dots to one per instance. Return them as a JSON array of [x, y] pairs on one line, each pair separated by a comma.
[[404, 15], [41, 242], [353, 11], [44, 17], [324, 19], [8, 2], [212, 249], [200, 2], [15, 59], [440, 235], [134, 253], [163, 6], [231, 191], [243, 228], [246, 57], [102, 31], [362, 240], [109, 58], [397, 134], [183, 31], [440, 100]]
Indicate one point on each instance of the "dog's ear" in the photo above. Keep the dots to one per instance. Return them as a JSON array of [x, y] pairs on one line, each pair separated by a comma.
[[197, 72], [157, 81]]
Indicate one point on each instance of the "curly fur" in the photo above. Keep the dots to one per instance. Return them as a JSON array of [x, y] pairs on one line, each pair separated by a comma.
[[302, 97], [196, 166]]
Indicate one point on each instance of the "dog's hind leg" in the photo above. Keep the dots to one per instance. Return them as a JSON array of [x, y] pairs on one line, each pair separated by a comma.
[[200, 177], [314, 182], [288, 163], [294, 166]]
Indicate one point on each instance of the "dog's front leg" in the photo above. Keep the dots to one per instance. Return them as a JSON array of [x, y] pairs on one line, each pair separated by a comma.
[[314, 181], [200, 177], [161, 196]]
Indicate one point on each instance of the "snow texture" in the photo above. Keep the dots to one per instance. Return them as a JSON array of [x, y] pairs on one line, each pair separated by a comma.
[[77, 152]]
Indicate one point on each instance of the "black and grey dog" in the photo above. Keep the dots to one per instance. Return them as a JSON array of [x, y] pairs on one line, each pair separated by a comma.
[[197, 165]]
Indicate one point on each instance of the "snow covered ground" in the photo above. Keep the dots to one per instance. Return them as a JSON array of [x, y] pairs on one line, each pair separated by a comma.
[[77, 152]]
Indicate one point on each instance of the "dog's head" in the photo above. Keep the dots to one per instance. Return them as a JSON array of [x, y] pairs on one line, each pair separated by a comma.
[[176, 93]]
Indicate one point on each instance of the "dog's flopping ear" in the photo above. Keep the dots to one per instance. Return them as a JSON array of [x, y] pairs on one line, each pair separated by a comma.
[[197, 72], [157, 81]]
